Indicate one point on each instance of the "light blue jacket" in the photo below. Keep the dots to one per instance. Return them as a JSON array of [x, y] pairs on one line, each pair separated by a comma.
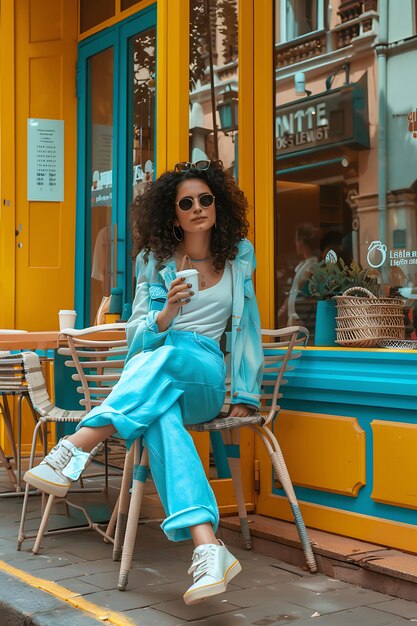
[[244, 341]]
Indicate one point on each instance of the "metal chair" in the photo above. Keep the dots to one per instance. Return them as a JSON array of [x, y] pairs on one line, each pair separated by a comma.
[[98, 363], [13, 382], [279, 353]]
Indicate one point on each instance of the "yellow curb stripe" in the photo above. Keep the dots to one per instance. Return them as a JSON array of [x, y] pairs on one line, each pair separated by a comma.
[[111, 618]]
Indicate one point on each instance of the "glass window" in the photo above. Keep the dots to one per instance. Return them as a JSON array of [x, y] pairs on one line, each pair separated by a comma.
[[346, 185], [93, 13], [143, 97], [101, 169], [300, 17], [214, 81]]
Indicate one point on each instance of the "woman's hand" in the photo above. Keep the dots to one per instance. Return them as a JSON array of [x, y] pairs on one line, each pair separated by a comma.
[[179, 294], [241, 410]]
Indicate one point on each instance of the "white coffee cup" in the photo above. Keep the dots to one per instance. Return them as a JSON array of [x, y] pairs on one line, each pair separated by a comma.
[[191, 277], [67, 318]]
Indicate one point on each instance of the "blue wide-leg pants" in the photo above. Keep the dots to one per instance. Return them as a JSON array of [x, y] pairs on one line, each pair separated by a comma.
[[181, 382]]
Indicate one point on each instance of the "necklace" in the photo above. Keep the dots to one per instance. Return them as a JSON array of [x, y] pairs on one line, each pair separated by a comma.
[[191, 261]]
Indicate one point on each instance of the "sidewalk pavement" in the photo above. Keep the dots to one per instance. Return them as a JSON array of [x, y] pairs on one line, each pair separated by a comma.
[[268, 592]]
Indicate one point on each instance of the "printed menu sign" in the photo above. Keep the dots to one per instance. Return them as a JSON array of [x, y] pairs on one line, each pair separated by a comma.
[[45, 160]]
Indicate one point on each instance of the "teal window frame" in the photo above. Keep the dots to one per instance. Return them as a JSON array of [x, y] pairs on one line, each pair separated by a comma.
[[116, 37]]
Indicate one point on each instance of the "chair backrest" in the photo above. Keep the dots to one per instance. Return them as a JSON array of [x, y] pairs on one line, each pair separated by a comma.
[[98, 354], [12, 374], [281, 349]]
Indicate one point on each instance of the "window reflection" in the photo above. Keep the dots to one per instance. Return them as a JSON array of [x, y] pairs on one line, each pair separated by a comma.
[[101, 98], [143, 76], [341, 197], [214, 81]]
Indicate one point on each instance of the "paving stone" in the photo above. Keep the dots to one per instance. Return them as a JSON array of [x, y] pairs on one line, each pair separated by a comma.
[[322, 602], [121, 600], [99, 565], [320, 584], [92, 551], [262, 576], [362, 616], [137, 579], [151, 617], [402, 608], [214, 606], [79, 586], [37, 563], [170, 572], [59, 573], [269, 614]]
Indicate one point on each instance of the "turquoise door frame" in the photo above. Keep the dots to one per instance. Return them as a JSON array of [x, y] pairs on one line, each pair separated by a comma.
[[116, 37]]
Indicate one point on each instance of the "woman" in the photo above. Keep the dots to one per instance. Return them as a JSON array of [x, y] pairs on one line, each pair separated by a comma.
[[306, 245], [175, 371]]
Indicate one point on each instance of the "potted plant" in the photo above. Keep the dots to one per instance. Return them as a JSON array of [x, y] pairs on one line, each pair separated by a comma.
[[329, 279]]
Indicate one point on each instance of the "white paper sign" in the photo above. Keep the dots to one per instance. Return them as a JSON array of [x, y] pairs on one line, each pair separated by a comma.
[[45, 160]]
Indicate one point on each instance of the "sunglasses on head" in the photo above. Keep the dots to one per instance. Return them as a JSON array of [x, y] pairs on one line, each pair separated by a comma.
[[205, 200], [186, 166]]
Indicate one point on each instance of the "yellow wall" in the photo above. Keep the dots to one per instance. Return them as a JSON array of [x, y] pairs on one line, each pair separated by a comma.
[[40, 74]]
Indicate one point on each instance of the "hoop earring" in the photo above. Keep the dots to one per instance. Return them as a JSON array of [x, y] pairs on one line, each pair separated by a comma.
[[175, 231]]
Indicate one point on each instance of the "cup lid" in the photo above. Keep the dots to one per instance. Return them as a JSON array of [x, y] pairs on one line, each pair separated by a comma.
[[67, 312], [186, 272]]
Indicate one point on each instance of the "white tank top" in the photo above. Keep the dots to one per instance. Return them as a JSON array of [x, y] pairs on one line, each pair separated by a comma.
[[208, 314]]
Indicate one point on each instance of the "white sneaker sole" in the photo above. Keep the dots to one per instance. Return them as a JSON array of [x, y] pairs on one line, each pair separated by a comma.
[[206, 591], [55, 489]]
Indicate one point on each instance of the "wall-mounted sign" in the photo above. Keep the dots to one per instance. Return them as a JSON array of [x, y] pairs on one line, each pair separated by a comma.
[[336, 117], [45, 160]]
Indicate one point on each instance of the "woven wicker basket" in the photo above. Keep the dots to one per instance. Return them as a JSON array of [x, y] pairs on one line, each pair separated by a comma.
[[364, 321]]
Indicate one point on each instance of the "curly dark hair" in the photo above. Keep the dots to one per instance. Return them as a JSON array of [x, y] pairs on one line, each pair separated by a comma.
[[153, 215]]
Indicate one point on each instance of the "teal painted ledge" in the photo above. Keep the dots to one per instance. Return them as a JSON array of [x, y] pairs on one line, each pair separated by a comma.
[[379, 378]]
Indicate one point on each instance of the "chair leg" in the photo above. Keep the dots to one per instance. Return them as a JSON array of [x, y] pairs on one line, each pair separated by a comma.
[[111, 526], [123, 508], [21, 535], [43, 524], [283, 476], [106, 467], [236, 471], [139, 479], [4, 408], [19, 440], [7, 465]]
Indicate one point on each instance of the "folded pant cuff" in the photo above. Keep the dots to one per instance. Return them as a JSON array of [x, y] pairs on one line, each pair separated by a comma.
[[177, 526]]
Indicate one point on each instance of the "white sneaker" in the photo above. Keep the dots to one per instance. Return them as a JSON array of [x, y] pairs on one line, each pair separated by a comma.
[[212, 567], [61, 467]]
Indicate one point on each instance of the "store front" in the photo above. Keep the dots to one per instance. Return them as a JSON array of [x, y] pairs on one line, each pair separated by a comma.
[[291, 96]]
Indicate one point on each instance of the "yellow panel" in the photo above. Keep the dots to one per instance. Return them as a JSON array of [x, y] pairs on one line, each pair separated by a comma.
[[45, 102], [42, 29], [395, 463], [367, 528], [324, 452], [44, 226], [264, 158], [7, 165]]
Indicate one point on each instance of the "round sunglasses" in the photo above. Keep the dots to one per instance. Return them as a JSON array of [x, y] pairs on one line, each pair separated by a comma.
[[186, 166], [205, 200]]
